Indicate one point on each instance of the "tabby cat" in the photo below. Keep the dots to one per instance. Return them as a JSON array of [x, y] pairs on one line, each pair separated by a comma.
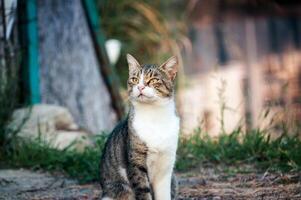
[[139, 156]]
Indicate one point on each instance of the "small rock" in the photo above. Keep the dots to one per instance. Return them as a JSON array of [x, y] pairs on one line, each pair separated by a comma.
[[51, 123], [65, 138]]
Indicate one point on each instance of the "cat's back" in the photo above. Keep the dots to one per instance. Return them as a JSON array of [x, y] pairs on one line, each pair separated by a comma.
[[120, 132], [114, 154]]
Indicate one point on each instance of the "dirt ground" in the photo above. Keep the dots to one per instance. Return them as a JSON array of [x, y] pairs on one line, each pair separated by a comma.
[[214, 184], [203, 184]]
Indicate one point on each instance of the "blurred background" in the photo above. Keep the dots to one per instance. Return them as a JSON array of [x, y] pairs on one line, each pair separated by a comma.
[[63, 78], [240, 60]]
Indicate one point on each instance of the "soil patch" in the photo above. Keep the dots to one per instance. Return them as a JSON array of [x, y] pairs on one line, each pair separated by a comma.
[[206, 184]]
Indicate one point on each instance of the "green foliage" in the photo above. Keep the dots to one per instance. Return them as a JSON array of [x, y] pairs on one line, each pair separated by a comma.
[[36, 155], [144, 28], [235, 149], [254, 147], [8, 97]]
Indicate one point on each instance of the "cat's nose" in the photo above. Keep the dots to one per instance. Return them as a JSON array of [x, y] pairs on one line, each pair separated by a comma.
[[141, 87]]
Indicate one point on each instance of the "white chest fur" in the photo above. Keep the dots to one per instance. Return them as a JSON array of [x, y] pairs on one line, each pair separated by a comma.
[[157, 126]]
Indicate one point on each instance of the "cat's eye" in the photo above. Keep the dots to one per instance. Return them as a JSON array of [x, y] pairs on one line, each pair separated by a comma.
[[153, 80], [134, 80]]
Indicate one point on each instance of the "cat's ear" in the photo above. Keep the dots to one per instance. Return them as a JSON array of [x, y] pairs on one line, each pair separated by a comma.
[[132, 62], [170, 67]]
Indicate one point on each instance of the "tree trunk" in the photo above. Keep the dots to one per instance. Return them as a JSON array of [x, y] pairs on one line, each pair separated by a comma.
[[69, 69]]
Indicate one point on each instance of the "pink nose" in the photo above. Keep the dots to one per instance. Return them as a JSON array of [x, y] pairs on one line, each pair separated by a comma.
[[141, 87]]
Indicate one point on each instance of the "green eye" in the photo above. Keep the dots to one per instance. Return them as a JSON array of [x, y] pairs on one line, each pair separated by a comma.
[[153, 80], [134, 80]]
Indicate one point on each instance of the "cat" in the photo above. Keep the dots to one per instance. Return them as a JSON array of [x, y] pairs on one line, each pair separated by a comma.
[[139, 155]]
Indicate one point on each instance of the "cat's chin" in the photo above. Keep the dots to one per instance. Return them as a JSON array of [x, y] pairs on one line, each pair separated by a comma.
[[143, 99], [150, 101]]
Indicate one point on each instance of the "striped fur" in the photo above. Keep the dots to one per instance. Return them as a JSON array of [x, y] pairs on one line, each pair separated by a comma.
[[139, 155]]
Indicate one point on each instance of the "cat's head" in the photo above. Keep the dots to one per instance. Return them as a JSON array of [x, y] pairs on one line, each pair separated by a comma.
[[151, 83]]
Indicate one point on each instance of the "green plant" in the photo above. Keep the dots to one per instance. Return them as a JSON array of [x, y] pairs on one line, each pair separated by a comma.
[[8, 97], [235, 149], [143, 28], [37, 154], [254, 147]]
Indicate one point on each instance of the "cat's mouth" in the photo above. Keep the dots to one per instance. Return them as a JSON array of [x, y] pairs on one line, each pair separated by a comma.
[[142, 96]]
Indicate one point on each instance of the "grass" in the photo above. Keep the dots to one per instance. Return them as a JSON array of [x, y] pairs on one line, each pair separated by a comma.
[[38, 155], [235, 149]]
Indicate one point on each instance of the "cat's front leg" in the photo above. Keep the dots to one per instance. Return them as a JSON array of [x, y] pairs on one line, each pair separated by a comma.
[[137, 170], [161, 169], [140, 183], [162, 187]]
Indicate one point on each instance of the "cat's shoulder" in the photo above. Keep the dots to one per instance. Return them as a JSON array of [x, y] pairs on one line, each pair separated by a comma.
[[120, 130]]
